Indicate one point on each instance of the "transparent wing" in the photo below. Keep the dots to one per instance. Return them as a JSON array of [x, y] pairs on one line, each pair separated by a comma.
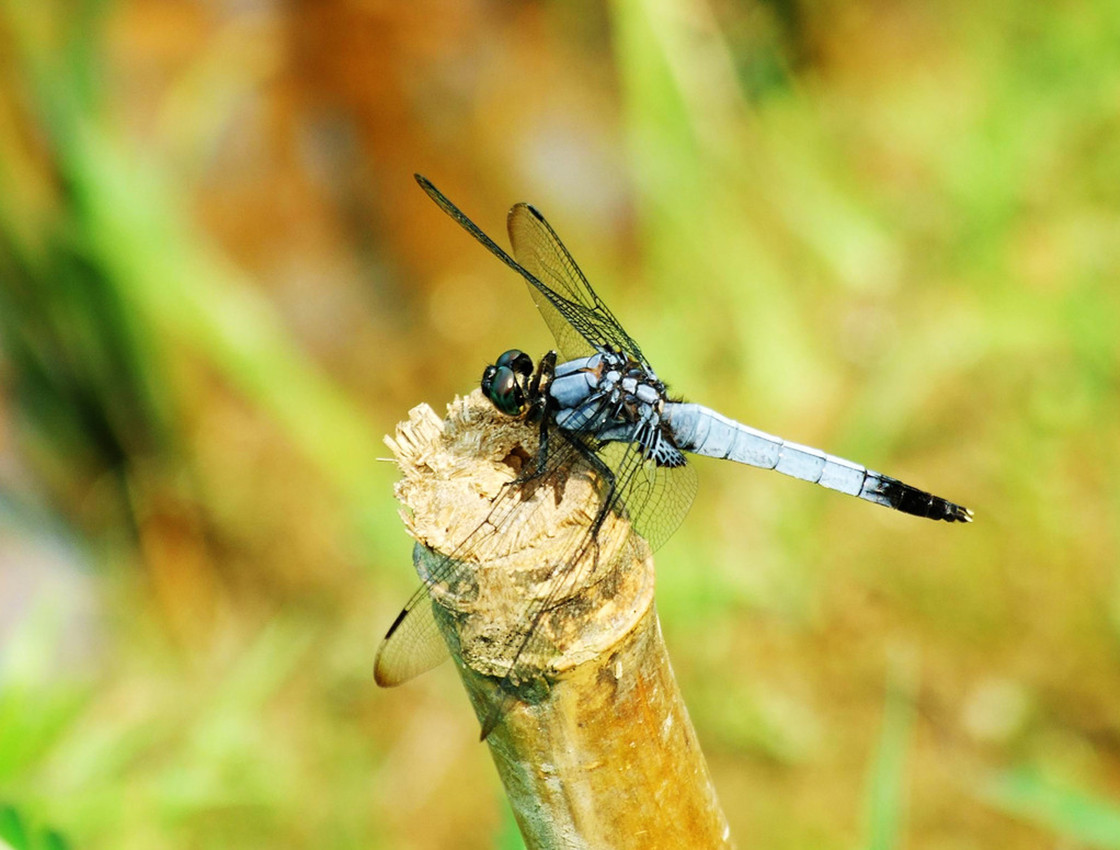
[[568, 303], [654, 498], [413, 644], [578, 319]]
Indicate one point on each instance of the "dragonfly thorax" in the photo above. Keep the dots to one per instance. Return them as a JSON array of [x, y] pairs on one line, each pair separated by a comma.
[[613, 398]]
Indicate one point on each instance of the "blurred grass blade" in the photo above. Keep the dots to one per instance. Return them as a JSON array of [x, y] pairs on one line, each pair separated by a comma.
[[1075, 814], [886, 793], [177, 292], [37, 707], [15, 835]]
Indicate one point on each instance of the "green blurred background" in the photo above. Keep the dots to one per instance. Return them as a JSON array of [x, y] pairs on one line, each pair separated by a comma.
[[889, 229]]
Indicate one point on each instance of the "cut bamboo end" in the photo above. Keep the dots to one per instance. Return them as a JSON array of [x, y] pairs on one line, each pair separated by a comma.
[[589, 733]]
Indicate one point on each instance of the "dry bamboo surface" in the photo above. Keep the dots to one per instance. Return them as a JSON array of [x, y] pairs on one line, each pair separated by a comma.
[[591, 738]]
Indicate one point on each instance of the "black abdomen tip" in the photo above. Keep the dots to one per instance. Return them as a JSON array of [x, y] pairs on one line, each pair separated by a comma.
[[911, 500]]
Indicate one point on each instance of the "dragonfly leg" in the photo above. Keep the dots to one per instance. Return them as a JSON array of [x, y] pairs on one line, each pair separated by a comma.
[[542, 375], [605, 473], [540, 465], [540, 411]]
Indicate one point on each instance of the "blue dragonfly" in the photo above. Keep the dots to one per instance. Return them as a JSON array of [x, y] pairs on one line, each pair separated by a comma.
[[597, 399]]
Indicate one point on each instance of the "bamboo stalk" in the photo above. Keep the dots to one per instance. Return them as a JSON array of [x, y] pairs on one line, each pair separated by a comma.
[[591, 737]]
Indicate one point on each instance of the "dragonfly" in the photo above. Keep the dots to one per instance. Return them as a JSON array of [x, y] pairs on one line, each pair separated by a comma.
[[597, 400]]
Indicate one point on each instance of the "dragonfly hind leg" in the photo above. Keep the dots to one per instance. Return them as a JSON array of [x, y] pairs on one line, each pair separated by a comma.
[[605, 473]]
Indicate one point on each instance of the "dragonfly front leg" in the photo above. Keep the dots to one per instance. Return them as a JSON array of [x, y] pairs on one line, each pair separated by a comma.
[[540, 464], [541, 404], [542, 376]]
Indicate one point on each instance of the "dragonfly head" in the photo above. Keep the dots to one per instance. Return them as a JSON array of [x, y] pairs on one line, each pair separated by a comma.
[[506, 383]]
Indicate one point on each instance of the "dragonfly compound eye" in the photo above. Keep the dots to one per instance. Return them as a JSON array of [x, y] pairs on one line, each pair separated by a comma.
[[499, 384], [518, 361]]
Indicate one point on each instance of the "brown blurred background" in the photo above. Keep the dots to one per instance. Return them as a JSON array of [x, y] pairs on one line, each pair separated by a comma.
[[890, 230]]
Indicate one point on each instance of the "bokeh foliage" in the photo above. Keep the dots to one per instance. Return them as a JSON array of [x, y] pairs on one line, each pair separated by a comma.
[[891, 230]]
